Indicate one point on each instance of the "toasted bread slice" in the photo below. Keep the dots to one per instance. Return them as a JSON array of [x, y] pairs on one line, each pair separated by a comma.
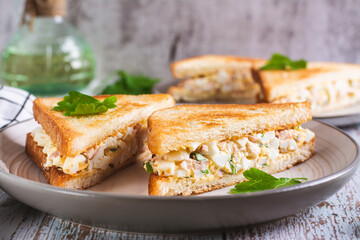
[[327, 86], [213, 77], [178, 127], [209, 64], [74, 135], [170, 186]]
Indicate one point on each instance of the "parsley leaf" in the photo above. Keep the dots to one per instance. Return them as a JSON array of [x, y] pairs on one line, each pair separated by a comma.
[[77, 103], [281, 62], [197, 156], [259, 181], [148, 167], [206, 171], [232, 166], [131, 84]]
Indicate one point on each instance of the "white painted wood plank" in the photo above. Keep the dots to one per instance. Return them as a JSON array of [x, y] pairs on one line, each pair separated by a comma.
[[16, 219], [55, 228]]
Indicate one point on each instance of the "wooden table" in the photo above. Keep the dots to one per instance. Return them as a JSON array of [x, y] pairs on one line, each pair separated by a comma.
[[336, 218]]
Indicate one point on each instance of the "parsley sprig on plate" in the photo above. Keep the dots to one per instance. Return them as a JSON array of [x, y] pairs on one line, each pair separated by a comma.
[[131, 84], [282, 62], [259, 180], [76, 104]]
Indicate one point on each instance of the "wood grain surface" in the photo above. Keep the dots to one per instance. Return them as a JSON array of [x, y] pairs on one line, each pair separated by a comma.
[[336, 218]]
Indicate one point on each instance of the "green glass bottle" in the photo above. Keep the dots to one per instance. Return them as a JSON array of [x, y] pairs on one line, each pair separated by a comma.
[[48, 56]]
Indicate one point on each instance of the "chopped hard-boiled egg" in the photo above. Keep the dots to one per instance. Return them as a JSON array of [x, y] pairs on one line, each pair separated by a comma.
[[176, 156], [221, 159], [166, 168], [214, 159], [98, 157], [321, 95]]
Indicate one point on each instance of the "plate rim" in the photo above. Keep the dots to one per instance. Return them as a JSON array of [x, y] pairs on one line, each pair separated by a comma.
[[337, 116], [99, 195]]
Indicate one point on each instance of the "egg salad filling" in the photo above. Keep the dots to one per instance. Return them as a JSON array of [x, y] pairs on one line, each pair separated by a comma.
[[101, 156], [214, 159], [223, 82], [322, 95]]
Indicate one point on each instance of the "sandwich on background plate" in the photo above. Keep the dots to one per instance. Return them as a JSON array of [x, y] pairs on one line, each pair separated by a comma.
[[214, 77], [200, 148], [80, 151], [327, 86]]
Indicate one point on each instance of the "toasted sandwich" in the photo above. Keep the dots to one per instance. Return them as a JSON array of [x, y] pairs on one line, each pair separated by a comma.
[[80, 151], [214, 78], [200, 148], [328, 86]]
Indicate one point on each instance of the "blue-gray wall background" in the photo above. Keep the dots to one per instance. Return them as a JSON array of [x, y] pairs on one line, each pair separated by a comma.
[[144, 36]]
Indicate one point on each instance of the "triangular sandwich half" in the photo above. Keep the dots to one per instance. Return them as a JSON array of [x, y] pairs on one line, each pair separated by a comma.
[[328, 86], [213, 77], [80, 151], [199, 148]]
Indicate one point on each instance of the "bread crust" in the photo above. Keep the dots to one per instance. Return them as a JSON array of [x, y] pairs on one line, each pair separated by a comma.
[[75, 134], [169, 186], [175, 128]]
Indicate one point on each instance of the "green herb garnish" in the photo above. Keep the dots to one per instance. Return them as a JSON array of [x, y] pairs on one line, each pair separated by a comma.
[[131, 84], [77, 103], [111, 165], [206, 171], [197, 156], [281, 62], [148, 167], [264, 165], [259, 181], [232, 166]]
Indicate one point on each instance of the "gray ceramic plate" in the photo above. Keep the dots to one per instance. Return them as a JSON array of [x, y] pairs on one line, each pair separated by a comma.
[[121, 201], [341, 120]]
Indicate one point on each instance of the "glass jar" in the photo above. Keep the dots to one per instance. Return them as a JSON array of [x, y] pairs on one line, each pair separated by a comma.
[[50, 58]]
